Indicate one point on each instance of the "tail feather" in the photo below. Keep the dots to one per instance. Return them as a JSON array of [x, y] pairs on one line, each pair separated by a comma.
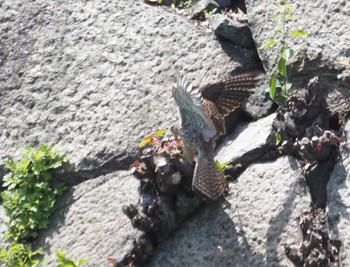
[[208, 179]]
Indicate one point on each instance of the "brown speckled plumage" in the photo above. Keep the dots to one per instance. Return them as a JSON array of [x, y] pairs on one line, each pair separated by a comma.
[[202, 112]]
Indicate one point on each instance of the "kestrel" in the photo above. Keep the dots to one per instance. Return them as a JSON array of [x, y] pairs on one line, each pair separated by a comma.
[[202, 113]]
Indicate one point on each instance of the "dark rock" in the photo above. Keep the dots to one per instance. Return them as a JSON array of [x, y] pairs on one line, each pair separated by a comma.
[[232, 30], [316, 247]]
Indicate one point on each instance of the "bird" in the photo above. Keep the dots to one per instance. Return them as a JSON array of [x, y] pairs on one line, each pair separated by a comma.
[[201, 122]]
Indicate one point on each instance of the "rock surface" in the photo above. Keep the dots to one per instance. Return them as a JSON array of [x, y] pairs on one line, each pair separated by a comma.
[[248, 138], [96, 76], [326, 46], [3, 228], [89, 221], [249, 228], [339, 200]]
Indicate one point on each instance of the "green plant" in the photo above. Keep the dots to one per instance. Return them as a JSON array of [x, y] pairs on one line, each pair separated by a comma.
[[279, 86], [63, 261], [30, 197], [209, 13], [187, 4], [19, 255], [223, 167], [152, 138]]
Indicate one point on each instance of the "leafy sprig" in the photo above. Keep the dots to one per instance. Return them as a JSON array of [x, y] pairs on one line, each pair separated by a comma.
[[279, 85]]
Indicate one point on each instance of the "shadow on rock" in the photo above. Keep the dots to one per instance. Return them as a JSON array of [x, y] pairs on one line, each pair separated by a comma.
[[56, 220], [217, 241], [278, 224]]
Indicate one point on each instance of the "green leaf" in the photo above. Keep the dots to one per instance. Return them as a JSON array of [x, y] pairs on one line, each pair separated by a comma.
[[223, 166], [82, 261], [345, 62], [56, 165], [11, 165], [47, 176], [272, 86], [269, 43], [279, 100], [286, 89], [282, 69], [276, 18], [29, 199], [287, 53], [292, 18], [160, 133], [299, 33], [278, 139], [147, 140], [289, 10]]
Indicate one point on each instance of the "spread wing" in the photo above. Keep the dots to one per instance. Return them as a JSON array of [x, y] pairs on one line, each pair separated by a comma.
[[221, 98], [193, 118]]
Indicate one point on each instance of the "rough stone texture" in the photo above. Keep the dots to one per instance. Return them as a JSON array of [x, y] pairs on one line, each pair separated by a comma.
[[232, 30], [248, 137], [339, 200], [96, 76], [249, 228], [3, 228], [89, 222], [329, 39]]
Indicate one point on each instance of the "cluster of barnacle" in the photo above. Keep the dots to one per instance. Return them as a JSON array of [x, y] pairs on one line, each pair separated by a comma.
[[165, 195], [316, 248]]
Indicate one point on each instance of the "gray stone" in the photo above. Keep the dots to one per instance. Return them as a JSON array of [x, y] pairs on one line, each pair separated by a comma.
[[328, 23], [339, 200], [232, 30], [3, 227], [201, 5], [89, 222], [96, 76], [259, 105], [247, 140], [249, 229]]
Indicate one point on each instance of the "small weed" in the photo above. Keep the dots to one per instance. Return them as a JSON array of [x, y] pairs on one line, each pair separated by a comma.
[[63, 261], [279, 86], [208, 14], [187, 4], [29, 198], [223, 167], [19, 255], [29, 201]]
